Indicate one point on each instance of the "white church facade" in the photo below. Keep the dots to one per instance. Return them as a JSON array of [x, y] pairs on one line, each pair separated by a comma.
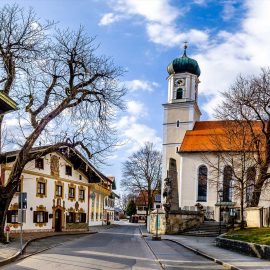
[[186, 140]]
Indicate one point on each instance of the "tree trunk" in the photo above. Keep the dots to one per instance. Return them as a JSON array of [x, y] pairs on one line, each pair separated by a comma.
[[5, 199], [257, 193], [242, 225]]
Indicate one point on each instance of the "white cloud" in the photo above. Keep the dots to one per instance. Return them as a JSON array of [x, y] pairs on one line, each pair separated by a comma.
[[109, 18], [228, 10], [138, 134], [231, 54], [133, 132], [199, 2], [136, 108], [135, 85], [160, 20], [152, 10]]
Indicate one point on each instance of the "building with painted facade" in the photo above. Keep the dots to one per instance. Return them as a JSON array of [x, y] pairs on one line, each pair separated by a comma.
[[64, 192]]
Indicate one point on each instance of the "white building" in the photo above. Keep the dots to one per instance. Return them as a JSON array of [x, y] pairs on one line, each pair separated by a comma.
[[187, 140], [64, 192]]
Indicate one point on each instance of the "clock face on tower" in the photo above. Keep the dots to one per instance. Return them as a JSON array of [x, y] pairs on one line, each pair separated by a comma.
[[179, 82]]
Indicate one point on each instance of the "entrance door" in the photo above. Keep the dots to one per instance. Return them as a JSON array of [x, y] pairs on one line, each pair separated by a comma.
[[58, 220]]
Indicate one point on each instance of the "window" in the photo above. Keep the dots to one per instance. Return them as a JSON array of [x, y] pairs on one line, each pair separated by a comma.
[[40, 217], [81, 194], [202, 184], [96, 216], [12, 216], [179, 93], [80, 177], [71, 217], [71, 192], [39, 163], [251, 175], [19, 186], [92, 216], [41, 188], [227, 184], [82, 217], [68, 170], [177, 123], [59, 190]]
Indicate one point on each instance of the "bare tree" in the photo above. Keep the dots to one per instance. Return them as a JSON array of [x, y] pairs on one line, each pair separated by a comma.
[[123, 201], [249, 100], [234, 158], [142, 173], [69, 96]]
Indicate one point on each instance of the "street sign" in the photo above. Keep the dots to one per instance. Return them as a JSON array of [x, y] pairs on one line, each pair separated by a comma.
[[23, 199], [158, 222], [22, 216]]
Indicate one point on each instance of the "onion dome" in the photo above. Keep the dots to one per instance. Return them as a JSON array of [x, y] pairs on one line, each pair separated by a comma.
[[184, 64]]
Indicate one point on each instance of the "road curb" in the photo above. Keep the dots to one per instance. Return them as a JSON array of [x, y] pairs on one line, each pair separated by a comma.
[[157, 259], [16, 255], [197, 251]]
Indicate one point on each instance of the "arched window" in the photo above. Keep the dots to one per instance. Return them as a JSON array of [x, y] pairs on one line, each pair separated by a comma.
[[227, 184], [179, 93], [250, 181], [202, 184]]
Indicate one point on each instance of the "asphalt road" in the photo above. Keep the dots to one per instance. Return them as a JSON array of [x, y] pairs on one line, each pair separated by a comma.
[[173, 256], [117, 248], [121, 247]]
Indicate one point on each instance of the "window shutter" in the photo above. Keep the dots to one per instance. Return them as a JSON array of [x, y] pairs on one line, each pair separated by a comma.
[[8, 216], [35, 217], [45, 217]]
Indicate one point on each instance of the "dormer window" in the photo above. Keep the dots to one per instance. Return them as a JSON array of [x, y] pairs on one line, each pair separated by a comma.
[[39, 163], [68, 170]]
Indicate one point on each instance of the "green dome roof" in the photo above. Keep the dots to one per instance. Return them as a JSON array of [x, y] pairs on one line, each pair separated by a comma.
[[184, 64]]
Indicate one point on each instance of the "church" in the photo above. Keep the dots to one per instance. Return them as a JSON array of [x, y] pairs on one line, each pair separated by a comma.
[[187, 145]]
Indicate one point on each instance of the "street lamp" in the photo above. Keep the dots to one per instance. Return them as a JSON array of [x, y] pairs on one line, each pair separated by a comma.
[[220, 194]]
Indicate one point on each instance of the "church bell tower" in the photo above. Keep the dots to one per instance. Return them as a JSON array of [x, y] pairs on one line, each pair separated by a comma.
[[181, 110]]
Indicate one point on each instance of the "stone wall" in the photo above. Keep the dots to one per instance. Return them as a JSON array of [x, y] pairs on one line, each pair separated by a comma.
[[175, 222], [183, 220], [251, 249], [76, 226]]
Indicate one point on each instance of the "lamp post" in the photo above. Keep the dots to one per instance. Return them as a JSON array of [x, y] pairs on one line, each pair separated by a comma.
[[220, 194]]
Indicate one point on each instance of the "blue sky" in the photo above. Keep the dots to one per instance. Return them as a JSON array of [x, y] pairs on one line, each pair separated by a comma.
[[226, 37]]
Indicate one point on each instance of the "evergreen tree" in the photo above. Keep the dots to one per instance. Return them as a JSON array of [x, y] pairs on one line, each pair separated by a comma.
[[131, 208]]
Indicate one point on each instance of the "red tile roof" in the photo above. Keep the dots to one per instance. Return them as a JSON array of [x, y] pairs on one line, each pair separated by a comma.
[[211, 136]]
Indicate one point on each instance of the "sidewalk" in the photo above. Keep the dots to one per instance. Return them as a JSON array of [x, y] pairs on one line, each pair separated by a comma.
[[206, 247], [9, 252]]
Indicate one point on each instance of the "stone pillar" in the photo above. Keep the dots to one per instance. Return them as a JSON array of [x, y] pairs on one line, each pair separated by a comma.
[[254, 217], [172, 174], [161, 222]]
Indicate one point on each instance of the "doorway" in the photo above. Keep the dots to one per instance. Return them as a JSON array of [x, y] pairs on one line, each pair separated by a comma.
[[58, 220]]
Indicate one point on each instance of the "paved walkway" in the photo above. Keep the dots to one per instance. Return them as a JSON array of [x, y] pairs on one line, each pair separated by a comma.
[[9, 250], [206, 245]]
